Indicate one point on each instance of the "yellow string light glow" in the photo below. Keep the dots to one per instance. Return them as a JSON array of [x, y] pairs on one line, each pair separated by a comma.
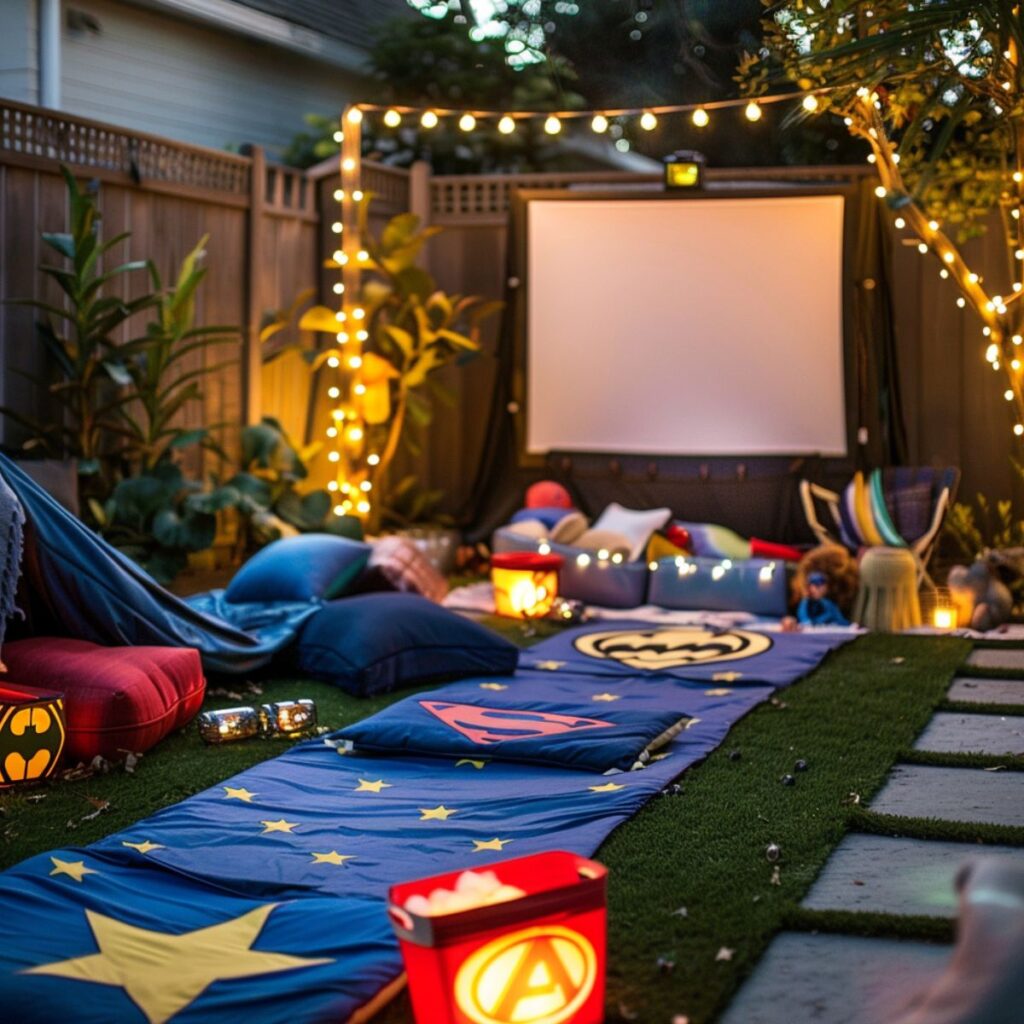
[[599, 124], [392, 118], [701, 117], [552, 125], [753, 111], [507, 125], [648, 121], [467, 122]]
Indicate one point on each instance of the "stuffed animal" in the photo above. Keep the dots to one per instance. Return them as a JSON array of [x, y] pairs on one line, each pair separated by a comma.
[[981, 594], [840, 570], [816, 608]]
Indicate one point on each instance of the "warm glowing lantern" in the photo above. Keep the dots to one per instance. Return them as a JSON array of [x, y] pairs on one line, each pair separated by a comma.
[[525, 583], [684, 169], [288, 718], [228, 724], [944, 618], [32, 733], [538, 958]]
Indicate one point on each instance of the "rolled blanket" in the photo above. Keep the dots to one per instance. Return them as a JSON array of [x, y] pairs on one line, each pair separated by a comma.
[[12, 538]]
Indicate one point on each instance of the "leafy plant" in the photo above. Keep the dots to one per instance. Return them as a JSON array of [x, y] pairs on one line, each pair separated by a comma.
[[267, 488], [90, 375], [159, 389], [414, 329], [159, 518], [979, 527], [410, 504]]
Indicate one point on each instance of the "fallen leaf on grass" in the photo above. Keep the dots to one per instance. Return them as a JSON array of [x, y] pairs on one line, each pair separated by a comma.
[[724, 954]]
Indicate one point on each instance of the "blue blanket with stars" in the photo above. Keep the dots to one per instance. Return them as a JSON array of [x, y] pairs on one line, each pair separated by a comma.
[[263, 899]]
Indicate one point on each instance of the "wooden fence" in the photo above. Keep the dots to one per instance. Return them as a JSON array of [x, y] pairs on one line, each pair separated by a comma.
[[270, 228]]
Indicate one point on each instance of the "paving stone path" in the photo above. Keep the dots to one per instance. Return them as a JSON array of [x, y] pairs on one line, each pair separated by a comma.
[[808, 978]]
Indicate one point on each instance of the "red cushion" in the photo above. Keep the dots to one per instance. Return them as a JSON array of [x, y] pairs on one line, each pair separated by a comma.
[[116, 698]]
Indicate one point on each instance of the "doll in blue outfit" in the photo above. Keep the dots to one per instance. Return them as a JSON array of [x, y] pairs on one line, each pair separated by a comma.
[[816, 608]]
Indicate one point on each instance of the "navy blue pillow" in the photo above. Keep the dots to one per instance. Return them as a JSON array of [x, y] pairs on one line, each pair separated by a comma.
[[373, 643], [305, 568]]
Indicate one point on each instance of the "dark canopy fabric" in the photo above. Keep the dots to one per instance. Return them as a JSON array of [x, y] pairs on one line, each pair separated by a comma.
[[75, 584]]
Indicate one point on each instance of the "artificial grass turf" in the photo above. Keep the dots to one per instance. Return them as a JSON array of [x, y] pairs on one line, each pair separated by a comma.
[[703, 850]]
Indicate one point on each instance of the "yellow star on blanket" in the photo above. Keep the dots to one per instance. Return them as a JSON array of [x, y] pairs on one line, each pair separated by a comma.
[[493, 686], [549, 666], [241, 793], [480, 845], [718, 692], [726, 677], [144, 847], [75, 869], [332, 858], [468, 760], [278, 826], [366, 786], [439, 813], [608, 787], [163, 973], [607, 696]]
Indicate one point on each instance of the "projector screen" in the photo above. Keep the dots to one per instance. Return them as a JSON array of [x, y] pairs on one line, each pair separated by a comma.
[[700, 326]]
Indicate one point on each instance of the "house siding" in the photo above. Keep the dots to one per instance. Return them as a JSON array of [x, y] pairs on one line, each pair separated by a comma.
[[153, 73], [19, 51]]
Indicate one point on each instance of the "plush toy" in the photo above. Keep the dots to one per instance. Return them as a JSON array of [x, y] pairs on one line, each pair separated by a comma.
[[840, 570], [548, 494], [978, 590], [816, 608]]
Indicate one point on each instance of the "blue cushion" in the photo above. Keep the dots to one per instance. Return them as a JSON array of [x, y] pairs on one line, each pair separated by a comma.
[[550, 517], [528, 721], [373, 643], [308, 568]]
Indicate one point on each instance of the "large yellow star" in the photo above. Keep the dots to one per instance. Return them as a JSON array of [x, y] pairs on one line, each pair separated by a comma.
[[607, 696], [332, 858], [75, 869], [238, 794], [480, 845], [365, 786], [144, 847], [469, 760], [608, 787], [163, 973], [439, 813], [278, 826]]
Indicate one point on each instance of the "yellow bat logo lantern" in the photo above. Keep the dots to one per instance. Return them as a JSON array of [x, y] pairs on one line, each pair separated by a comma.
[[32, 733], [653, 649]]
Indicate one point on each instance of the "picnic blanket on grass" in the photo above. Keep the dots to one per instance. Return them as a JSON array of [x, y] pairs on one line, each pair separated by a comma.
[[263, 898]]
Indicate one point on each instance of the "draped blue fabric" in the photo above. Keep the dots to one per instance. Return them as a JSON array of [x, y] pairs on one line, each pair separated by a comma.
[[288, 863], [89, 590]]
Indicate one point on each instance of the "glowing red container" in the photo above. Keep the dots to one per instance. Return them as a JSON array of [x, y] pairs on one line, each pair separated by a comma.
[[539, 959]]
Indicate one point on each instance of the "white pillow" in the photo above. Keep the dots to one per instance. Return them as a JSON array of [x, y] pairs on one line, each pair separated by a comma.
[[634, 524]]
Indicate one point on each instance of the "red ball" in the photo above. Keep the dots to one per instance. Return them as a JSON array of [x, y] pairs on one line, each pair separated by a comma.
[[680, 536], [548, 494]]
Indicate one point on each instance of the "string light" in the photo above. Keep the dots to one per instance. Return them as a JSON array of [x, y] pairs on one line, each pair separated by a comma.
[[392, 118], [701, 117], [753, 111], [899, 223], [881, 191], [467, 122], [552, 125], [507, 125], [355, 115], [648, 121], [599, 124], [810, 103], [922, 248], [428, 120]]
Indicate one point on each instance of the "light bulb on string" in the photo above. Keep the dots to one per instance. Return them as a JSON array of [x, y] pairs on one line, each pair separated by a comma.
[[753, 111], [373, 459], [922, 248], [338, 288], [810, 103], [552, 125], [599, 124], [949, 256], [507, 125], [355, 362], [428, 120], [338, 136], [1018, 429], [348, 164], [899, 223], [881, 191], [961, 302], [357, 196], [467, 122], [355, 115], [700, 117], [392, 118], [648, 121]]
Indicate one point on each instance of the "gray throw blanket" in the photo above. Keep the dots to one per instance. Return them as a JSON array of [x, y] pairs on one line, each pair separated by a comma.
[[12, 536]]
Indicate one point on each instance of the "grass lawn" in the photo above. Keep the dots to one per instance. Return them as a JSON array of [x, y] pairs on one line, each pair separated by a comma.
[[703, 849]]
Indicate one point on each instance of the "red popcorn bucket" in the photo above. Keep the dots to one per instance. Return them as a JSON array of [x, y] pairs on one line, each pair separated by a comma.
[[535, 959]]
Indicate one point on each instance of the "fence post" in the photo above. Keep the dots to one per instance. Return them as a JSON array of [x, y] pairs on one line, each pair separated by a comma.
[[252, 355], [419, 198]]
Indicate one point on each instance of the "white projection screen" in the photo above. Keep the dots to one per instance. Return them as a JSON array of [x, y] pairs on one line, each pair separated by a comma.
[[698, 326]]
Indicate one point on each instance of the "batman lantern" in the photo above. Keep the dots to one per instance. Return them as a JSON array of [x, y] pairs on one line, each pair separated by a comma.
[[32, 732]]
